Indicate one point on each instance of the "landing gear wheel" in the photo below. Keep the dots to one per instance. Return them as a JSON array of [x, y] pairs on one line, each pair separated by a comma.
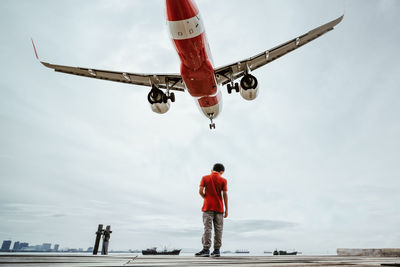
[[229, 87], [164, 98], [237, 87], [172, 97], [212, 124], [232, 86]]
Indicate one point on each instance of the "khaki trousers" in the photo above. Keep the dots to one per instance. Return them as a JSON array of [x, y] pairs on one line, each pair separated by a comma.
[[210, 218]]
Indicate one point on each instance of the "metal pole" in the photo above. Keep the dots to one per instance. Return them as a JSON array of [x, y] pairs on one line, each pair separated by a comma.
[[98, 236], [106, 240]]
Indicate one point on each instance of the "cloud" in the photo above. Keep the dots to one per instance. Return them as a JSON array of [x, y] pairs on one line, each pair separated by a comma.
[[254, 225], [58, 215], [184, 227], [29, 211]]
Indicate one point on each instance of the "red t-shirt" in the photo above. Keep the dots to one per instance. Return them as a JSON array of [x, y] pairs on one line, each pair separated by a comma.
[[214, 184]]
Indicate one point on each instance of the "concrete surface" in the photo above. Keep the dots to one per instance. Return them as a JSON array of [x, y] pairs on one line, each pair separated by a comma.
[[248, 261]]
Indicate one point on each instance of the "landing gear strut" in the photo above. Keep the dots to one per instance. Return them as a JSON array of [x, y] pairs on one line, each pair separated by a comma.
[[212, 124]]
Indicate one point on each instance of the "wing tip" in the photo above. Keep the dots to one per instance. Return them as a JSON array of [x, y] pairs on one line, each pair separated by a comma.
[[34, 48], [37, 56], [339, 19]]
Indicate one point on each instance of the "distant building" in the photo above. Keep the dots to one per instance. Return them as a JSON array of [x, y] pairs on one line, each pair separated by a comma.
[[35, 248], [6, 245], [23, 245], [56, 246], [16, 246], [90, 249], [46, 246]]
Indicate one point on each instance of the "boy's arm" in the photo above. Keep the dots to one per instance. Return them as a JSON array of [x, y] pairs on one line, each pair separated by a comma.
[[201, 192], [225, 196]]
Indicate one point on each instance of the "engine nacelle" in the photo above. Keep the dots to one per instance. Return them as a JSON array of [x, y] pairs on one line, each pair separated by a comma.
[[158, 101], [160, 108], [249, 87]]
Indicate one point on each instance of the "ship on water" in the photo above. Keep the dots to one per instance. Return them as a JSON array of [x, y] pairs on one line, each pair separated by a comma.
[[154, 251], [242, 251], [283, 252]]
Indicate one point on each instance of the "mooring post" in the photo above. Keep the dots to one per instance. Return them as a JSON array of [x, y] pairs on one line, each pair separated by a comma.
[[98, 236], [106, 240]]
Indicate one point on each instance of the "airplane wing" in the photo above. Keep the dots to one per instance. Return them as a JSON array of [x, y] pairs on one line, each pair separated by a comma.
[[231, 72], [172, 81]]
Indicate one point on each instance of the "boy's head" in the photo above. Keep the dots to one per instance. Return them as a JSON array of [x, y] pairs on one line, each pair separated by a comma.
[[218, 167]]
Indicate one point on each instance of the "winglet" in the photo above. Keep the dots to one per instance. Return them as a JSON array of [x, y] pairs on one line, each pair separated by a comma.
[[34, 48]]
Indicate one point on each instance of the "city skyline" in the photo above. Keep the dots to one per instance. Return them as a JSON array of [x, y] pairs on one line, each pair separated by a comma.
[[18, 246]]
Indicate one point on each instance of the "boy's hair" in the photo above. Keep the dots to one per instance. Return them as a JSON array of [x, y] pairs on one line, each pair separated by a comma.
[[218, 167]]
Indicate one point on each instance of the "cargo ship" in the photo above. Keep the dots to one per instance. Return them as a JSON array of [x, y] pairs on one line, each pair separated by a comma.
[[284, 252], [153, 251], [242, 251]]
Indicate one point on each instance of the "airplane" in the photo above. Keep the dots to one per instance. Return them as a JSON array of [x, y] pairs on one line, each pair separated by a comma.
[[197, 73]]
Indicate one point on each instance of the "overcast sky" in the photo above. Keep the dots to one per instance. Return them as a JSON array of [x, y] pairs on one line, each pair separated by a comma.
[[311, 164]]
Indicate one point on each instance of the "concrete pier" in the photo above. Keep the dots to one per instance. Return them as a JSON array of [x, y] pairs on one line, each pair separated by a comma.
[[372, 252], [138, 260]]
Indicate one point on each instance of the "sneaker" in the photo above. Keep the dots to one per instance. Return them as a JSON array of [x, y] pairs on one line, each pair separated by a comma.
[[216, 253], [203, 253]]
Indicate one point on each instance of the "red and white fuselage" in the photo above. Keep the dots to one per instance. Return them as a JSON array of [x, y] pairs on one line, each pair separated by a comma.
[[188, 35]]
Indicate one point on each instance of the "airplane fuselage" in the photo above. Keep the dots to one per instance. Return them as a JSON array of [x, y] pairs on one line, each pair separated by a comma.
[[197, 71]]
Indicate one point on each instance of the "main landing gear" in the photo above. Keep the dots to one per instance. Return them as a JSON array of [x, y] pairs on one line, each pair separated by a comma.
[[167, 96], [212, 124], [232, 86]]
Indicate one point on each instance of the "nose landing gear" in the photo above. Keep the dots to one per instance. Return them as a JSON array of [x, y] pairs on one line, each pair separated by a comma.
[[212, 124]]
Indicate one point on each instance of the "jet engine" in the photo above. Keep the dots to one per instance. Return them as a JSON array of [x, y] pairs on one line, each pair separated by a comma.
[[249, 87], [159, 101]]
